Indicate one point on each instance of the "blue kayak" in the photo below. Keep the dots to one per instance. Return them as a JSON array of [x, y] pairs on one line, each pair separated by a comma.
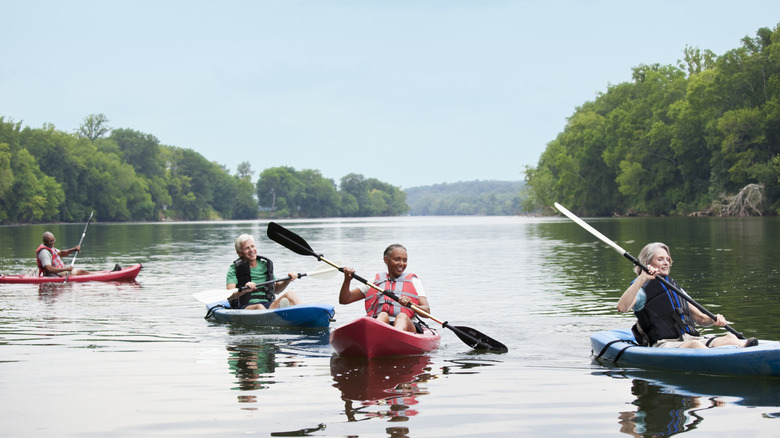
[[618, 347], [301, 315]]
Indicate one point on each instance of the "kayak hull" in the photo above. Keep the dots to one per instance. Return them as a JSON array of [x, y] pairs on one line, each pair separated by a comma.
[[125, 274], [301, 315], [761, 360], [367, 337]]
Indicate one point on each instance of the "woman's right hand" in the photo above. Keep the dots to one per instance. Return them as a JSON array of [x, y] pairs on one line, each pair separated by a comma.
[[650, 274]]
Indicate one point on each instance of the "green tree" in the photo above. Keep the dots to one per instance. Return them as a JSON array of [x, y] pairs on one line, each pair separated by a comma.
[[142, 151], [94, 126]]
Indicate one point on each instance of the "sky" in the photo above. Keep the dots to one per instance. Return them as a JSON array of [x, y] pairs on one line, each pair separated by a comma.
[[409, 92]]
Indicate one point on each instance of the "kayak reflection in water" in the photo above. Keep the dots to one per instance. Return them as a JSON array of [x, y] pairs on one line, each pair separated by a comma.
[[664, 318], [406, 286], [50, 262]]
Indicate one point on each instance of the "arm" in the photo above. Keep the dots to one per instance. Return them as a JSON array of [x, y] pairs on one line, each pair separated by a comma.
[[347, 296], [69, 251], [704, 320], [249, 287], [44, 258], [53, 270], [282, 284], [424, 305], [628, 299]]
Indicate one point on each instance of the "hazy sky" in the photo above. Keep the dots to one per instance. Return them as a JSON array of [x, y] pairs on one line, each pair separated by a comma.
[[409, 92]]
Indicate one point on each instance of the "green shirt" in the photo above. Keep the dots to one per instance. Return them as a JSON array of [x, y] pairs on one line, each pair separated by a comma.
[[259, 275]]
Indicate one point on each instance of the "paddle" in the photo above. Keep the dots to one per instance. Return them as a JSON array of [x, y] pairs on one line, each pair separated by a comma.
[[212, 296], [635, 261], [296, 244], [83, 233]]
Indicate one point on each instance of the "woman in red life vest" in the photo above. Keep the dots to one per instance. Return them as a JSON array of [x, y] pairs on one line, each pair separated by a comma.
[[49, 259], [406, 286]]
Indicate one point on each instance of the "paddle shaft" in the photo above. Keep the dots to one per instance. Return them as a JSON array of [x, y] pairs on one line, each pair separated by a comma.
[[83, 233], [636, 262], [208, 297], [236, 289]]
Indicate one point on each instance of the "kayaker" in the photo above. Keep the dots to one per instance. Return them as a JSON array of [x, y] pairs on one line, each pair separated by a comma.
[[664, 319], [249, 270], [406, 286], [49, 259]]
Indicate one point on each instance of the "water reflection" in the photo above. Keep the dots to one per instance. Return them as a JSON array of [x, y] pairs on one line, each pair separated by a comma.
[[256, 354], [381, 387], [659, 413], [254, 365], [668, 403], [49, 292]]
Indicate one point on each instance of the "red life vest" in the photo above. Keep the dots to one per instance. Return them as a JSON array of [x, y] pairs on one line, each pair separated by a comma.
[[56, 261], [377, 302]]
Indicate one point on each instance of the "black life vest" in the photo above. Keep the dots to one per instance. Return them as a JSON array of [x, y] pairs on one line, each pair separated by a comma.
[[244, 276], [666, 315]]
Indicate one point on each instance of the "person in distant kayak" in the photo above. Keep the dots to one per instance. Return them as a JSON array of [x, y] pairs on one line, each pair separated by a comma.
[[406, 286], [50, 262], [249, 270], [664, 318]]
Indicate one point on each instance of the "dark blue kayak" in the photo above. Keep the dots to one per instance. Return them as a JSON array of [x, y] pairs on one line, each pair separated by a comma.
[[301, 315], [617, 347]]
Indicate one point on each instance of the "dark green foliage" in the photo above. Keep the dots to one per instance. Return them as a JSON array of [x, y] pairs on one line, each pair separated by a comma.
[[48, 175], [286, 192], [674, 140]]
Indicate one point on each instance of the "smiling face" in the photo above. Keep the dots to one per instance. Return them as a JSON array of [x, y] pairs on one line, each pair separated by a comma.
[[48, 239], [247, 250], [661, 261], [396, 261]]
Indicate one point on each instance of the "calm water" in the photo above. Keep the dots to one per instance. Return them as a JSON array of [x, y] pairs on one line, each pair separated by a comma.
[[139, 359]]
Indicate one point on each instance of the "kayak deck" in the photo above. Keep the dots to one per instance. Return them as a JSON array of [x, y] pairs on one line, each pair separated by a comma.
[[367, 337], [301, 315], [616, 346], [125, 274]]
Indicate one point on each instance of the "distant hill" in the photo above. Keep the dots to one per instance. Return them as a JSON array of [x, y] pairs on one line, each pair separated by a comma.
[[470, 198]]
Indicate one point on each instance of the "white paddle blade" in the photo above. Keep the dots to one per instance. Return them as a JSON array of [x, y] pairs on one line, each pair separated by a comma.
[[592, 230], [324, 270], [212, 296]]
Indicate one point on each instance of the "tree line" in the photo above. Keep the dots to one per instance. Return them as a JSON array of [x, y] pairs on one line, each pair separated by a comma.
[[482, 198], [695, 138], [47, 175]]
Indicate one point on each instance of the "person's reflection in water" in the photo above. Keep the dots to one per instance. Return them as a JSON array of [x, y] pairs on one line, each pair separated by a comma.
[[660, 413], [380, 388], [253, 365], [49, 292]]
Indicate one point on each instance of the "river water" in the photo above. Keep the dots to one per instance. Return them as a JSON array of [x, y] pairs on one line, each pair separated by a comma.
[[135, 359]]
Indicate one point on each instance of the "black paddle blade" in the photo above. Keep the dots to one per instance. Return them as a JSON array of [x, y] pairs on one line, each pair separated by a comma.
[[289, 240], [477, 340]]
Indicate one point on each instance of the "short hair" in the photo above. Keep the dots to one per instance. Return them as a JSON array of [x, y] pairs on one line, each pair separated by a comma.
[[646, 255], [240, 242], [392, 247]]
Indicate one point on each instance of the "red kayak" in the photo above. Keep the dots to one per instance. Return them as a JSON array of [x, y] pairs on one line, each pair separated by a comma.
[[367, 337], [125, 274]]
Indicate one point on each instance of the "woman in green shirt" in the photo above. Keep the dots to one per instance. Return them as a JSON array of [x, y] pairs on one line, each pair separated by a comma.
[[248, 271]]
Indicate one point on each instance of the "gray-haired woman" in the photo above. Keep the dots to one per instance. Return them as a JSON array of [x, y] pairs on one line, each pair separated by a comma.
[[664, 318], [248, 271]]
